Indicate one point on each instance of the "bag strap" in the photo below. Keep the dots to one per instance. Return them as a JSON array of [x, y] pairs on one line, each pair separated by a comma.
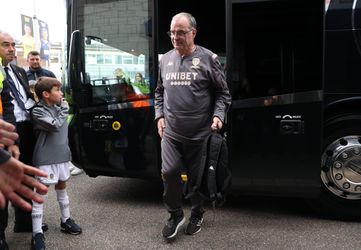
[[203, 161], [226, 183], [201, 167], [213, 156]]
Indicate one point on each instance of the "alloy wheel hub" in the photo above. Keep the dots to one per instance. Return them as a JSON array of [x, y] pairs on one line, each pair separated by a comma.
[[341, 167]]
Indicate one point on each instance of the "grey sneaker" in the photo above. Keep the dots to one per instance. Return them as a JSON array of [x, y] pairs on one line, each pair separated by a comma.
[[194, 225], [173, 224]]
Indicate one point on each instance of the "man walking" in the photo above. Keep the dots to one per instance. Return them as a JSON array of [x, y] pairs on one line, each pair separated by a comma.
[[191, 100]]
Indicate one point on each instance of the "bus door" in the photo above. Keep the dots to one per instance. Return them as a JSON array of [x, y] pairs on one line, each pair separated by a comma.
[[112, 88], [274, 70]]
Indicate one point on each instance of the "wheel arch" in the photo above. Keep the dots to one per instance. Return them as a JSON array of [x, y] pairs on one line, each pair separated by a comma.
[[342, 118], [341, 109]]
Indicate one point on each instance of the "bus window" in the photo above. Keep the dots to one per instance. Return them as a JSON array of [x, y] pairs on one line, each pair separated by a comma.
[[116, 48], [112, 72], [276, 49]]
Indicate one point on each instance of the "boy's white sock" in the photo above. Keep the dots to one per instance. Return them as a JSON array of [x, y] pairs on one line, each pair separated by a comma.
[[37, 216], [63, 199]]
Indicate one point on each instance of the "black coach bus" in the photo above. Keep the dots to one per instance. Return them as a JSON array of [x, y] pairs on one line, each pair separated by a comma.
[[293, 68]]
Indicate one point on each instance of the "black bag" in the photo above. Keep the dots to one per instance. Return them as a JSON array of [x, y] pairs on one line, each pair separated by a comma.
[[214, 177]]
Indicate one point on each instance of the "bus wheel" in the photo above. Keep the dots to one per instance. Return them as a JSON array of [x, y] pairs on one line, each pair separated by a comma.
[[341, 171]]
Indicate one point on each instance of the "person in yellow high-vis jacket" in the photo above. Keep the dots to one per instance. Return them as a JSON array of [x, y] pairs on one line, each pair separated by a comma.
[[2, 78]]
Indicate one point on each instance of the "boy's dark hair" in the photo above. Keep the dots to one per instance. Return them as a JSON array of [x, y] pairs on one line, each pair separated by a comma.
[[45, 84], [34, 53]]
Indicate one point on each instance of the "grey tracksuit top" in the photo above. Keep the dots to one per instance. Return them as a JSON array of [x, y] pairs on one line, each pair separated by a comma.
[[51, 130], [191, 90]]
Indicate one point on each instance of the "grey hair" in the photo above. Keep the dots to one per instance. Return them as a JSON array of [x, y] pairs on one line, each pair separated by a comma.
[[4, 32], [191, 20]]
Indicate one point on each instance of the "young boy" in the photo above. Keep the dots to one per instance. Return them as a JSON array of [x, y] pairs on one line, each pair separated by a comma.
[[51, 154]]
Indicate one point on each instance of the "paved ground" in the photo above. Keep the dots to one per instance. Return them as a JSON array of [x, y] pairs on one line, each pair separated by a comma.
[[118, 213]]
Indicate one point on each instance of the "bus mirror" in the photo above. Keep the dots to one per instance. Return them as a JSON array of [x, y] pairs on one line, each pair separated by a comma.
[[89, 39], [87, 78], [76, 68], [148, 28]]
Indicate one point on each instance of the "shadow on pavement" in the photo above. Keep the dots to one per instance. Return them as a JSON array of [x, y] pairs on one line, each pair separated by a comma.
[[149, 192], [109, 189]]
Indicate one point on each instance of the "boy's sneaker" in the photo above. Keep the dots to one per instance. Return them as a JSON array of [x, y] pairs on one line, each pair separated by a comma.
[[70, 227], [71, 166], [38, 242], [44, 226], [74, 170], [173, 224], [194, 225]]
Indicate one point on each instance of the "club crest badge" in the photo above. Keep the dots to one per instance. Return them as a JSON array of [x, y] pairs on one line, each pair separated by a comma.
[[195, 63]]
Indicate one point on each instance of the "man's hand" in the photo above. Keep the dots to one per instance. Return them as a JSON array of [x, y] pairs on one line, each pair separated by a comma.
[[15, 181], [217, 124], [7, 134], [161, 126]]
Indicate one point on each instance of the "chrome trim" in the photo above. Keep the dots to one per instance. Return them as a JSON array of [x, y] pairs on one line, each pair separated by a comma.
[[112, 107], [357, 36], [301, 97]]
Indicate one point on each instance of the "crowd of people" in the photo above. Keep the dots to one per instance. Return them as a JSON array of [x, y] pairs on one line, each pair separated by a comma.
[[29, 118]]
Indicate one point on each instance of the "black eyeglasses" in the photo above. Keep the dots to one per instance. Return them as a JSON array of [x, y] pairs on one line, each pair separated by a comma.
[[178, 33]]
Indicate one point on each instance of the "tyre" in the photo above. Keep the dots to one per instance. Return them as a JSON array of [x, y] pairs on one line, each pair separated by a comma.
[[340, 196]]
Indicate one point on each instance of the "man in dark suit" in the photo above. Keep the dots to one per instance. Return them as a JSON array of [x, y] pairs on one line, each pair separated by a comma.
[[17, 82]]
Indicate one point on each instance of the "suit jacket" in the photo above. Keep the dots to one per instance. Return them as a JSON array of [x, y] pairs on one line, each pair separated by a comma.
[[6, 98], [26, 137], [23, 79], [8, 106]]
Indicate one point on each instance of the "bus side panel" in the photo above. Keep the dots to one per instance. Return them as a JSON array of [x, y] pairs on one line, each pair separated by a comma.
[[275, 150], [274, 70], [120, 143], [342, 61]]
